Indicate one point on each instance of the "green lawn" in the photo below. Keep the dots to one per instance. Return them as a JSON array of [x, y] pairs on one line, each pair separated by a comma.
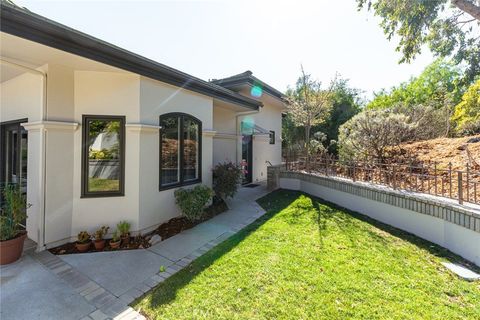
[[306, 259]]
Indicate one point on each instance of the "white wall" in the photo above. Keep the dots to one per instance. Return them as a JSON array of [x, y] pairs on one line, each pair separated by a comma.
[[107, 93], [157, 98], [459, 240], [226, 140], [21, 97]]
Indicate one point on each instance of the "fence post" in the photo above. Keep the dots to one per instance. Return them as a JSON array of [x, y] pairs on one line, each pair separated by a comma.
[[460, 188], [450, 178], [468, 183], [435, 177], [394, 182], [353, 171]]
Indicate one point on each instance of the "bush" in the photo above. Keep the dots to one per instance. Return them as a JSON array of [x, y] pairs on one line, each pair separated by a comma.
[[193, 201], [372, 132], [467, 112], [226, 178]]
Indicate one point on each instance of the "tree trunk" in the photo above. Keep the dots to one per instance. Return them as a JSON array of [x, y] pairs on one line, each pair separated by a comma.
[[469, 7], [307, 147]]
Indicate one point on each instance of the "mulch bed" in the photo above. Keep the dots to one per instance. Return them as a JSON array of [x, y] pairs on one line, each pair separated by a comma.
[[165, 230]]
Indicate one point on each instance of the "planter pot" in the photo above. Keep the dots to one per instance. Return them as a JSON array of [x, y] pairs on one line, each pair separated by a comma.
[[11, 250], [115, 245], [83, 247], [99, 244], [125, 240]]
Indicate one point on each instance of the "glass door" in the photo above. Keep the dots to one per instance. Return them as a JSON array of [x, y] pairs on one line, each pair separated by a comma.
[[13, 155]]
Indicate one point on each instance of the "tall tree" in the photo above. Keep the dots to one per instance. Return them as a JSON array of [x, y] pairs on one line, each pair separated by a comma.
[[449, 28], [309, 105], [347, 102]]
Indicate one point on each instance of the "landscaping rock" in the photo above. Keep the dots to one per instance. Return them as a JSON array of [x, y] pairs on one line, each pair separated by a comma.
[[155, 239]]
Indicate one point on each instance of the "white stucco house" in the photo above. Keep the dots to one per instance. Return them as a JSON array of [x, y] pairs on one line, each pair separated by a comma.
[[96, 134]]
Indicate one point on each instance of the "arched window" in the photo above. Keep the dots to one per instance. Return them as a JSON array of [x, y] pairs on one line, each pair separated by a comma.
[[180, 150]]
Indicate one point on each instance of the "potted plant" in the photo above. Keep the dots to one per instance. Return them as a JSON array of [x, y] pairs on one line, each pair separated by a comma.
[[84, 240], [99, 241], [124, 229], [115, 242], [12, 235]]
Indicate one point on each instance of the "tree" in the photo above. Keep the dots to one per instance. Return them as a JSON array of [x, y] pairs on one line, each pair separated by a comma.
[[309, 105], [448, 30], [347, 102], [467, 112], [436, 85], [372, 132]]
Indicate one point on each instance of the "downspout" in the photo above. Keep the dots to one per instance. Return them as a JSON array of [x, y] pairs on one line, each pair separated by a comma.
[[240, 114], [42, 197]]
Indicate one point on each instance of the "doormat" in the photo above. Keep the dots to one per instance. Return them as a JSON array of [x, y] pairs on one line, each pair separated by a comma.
[[251, 185]]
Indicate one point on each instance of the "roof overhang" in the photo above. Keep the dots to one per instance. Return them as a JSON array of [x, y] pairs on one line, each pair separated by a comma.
[[25, 24], [247, 78]]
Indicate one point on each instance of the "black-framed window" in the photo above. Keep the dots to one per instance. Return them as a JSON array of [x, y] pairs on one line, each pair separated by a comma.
[[180, 150], [103, 156], [272, 137]]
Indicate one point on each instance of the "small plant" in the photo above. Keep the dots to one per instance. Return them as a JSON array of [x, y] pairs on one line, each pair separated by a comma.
[[13, 212], [193, 201], [124, 228], [83, 237], [100, 233], [115, 242], [226, 178], [162, 269], [83, 241], [115, 236]]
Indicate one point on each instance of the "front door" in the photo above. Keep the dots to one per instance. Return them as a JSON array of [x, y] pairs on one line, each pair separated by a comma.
[[247, 164], [13, 155]]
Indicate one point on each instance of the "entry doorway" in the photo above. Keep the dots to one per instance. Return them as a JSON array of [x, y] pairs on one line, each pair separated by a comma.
[[247, 158], [13, 155]]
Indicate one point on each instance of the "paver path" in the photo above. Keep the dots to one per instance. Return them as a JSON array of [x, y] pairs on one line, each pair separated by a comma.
[[101, 285]]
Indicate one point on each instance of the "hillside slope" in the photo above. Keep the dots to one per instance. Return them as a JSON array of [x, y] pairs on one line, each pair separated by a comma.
[[458, 151]]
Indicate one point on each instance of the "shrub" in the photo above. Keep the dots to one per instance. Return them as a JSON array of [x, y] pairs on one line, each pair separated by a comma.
[[467, 112], [371, 132], [13, 212], [193, 201], [226, 178]]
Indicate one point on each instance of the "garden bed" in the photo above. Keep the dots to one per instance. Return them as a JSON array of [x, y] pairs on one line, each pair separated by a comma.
[[165, 230]]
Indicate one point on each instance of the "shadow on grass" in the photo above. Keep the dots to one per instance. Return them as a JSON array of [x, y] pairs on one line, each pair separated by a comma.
[[166, 292], [274, 203]]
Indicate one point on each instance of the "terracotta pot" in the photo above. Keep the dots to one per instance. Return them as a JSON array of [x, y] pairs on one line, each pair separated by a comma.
[[115, 245], [99, 244], [125, 240], [11, 250], [83, 247]]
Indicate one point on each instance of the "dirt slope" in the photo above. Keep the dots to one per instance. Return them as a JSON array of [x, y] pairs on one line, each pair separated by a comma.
[[458, 151]]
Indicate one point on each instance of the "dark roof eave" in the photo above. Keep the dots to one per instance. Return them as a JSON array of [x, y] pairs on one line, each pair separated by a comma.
[[30, 26], [247, 78]]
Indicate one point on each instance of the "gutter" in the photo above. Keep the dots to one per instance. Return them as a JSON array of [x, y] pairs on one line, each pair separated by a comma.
[[43, 157]]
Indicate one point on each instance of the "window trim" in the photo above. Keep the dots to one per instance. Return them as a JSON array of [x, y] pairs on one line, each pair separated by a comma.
[[272, 137], [182, 182], [84, 179]]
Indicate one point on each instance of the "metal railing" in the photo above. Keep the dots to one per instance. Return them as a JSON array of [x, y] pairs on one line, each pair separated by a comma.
[[428, 178]]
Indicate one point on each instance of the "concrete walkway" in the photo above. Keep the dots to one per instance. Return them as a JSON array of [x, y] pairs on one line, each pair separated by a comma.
[[101, 285]]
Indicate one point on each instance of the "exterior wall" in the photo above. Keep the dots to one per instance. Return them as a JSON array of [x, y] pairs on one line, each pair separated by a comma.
[[21, 97], [226, 140], [446, 224], [157, 98], [106, 93]]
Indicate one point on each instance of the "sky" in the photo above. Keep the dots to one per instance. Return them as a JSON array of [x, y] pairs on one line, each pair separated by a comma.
[[215, 39]]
